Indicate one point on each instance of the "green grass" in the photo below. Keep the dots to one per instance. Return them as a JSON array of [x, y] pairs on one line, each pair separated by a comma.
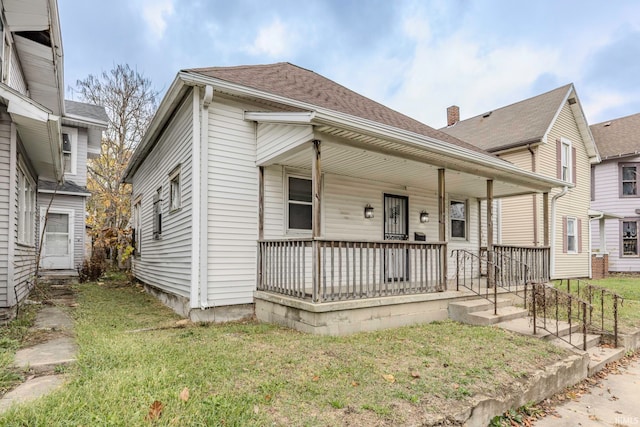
[[627, 287], [244, 374], [12, 336]]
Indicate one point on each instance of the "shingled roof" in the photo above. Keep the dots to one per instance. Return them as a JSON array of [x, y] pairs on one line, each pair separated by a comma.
[[82, 109], [516, 124], [618, 137], [290, 81]]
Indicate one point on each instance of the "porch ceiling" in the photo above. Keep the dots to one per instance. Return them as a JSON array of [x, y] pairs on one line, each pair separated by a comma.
[[368, 158]]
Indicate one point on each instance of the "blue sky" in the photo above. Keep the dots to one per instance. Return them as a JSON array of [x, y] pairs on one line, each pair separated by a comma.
[[417, 57]]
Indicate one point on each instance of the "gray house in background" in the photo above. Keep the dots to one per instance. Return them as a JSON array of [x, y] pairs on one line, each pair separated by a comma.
[[615, 189], [64, 234]]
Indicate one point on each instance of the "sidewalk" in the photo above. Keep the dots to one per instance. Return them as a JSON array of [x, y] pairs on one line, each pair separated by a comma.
[[613, 402], [43, 362]]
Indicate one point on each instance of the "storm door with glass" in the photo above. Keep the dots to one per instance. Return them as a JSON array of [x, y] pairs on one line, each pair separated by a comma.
[[396, 227], [57, 249]]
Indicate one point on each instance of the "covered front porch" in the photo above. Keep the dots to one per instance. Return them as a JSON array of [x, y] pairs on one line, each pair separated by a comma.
[[398, 225]]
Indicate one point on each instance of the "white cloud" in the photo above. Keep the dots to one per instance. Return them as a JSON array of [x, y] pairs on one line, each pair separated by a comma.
[[598, 103], [273, 40], [155, 14]]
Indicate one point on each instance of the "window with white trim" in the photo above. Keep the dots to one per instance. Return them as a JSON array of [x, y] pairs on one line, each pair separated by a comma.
[[565, 160], [26, 208], [629, 179], [174, 189], [157, 214], [299, 203], [572, 235], [137, 227], [629, 236], [70, 150], [458, 219]]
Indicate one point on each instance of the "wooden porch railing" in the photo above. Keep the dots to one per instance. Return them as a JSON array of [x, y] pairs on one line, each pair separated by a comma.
[[336, 270], [536, 258]]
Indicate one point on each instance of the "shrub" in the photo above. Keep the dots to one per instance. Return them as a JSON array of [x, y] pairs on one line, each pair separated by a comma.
[[92, 269]]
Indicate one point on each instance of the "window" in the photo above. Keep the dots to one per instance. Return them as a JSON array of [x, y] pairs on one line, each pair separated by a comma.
[[26, 208], [174, 190], [572, 238], [629, 236], [565, 160], [69, 150], [628, 179], [458, 216], [66, 152], [299, 203], [136, 235], [157, 214]]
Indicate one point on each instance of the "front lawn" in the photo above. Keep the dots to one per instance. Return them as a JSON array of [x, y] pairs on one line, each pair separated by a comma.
[[138, 367], [628, 287]]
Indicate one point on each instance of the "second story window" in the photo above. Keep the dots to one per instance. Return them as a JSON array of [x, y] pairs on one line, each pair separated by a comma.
[[174, 190], [566, 160], [157, 214], [69, 150], [629, 179]]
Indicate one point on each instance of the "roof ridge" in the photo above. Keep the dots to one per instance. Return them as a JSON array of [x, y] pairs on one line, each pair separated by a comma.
[[617, 119], [504, 107]]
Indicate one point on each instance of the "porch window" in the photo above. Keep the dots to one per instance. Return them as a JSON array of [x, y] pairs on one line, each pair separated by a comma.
[[26, 208], [572, 238], [299, 209], [629, 179], [629, 236], [458, 216], [174, 190], [157, 214]]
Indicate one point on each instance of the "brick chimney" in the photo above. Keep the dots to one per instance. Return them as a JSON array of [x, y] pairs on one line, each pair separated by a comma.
[[453, 115]]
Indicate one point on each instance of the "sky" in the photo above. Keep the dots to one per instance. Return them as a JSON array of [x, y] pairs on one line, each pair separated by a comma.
[[415, 56]]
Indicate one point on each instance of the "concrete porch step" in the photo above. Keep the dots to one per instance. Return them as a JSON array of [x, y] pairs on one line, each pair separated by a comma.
[[524, 326], [487, 317], [599, 356], [576, 340], [44, 358], [460, 311]]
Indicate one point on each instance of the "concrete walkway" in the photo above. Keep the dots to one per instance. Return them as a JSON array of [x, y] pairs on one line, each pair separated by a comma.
[[42, 362], [613, 402]]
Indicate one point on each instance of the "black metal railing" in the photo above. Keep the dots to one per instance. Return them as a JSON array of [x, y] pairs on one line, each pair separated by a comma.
[[602, 317], [557, 312]]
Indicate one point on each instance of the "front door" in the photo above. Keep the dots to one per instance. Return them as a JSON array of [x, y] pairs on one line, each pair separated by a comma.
[[396, 227], [57, 249]]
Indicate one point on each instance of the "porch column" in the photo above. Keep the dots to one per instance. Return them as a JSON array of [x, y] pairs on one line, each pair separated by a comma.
[[260, 223], [316, 173], [545, 215], [442, 230], [491, 278]]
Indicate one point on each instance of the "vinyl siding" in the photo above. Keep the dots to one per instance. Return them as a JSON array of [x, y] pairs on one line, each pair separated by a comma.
[[576, 202], [6, 223], [77, 203], [273, 139], [343, 201], [16, 77], [80, 177], [607, 199], [232, 195], [166, 263]]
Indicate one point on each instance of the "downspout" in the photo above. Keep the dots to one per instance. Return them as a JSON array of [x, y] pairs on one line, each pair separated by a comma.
[[535, 198], [204, 173], [196, 179], [552, 261]]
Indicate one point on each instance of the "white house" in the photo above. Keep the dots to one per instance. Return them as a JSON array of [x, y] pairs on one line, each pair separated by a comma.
[[64, 229], [272, 189]]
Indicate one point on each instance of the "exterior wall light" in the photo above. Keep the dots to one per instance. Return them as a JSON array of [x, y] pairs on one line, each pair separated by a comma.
[[368, 211], [424, 216]]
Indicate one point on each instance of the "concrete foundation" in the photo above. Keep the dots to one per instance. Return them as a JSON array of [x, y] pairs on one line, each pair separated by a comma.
[[348, 317], [181, 306]]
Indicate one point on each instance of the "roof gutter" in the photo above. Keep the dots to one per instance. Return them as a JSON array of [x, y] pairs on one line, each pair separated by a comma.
[[344, 120], [56, 40]]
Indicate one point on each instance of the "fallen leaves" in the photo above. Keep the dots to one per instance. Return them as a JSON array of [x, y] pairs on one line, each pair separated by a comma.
[[389, 378], [184, 394], [155, 411], [415, 374]]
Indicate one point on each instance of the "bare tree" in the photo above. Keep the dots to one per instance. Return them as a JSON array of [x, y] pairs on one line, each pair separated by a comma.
[[130, 102]]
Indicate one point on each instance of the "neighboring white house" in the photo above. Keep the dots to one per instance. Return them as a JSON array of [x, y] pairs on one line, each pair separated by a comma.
[[615, 190], [547, 134], [65, 232], [273, 185]]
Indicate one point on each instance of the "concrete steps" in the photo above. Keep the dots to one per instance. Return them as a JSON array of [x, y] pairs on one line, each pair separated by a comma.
[[600, 356], [577, 340], [480, 311]]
